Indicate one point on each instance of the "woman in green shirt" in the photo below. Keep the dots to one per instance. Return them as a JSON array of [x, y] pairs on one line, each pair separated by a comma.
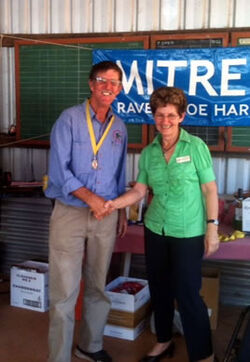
[[180, 225]]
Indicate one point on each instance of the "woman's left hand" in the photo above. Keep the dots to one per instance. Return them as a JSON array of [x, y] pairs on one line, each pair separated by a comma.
[[122, 223], [211, 239], [209, 191]]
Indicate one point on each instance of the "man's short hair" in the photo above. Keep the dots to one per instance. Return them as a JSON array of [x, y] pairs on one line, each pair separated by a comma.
[[103, 67]]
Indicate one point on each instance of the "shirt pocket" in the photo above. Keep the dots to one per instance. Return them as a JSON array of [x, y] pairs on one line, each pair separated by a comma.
[[182, 177], [184, 171], [81, 157], [115, 155]]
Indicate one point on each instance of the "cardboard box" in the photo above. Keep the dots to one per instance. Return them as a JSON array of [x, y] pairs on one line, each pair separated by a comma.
[[246, 214], [29, 286], [125, 333], [127, 302], [210, 293], [129, 319], [129, 313]]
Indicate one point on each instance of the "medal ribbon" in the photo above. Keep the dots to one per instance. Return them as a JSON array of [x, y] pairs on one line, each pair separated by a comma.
[[96, 147]]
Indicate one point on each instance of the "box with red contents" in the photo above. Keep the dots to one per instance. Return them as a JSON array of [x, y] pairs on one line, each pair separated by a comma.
[[128, 287], [130, 307], [127, 294]]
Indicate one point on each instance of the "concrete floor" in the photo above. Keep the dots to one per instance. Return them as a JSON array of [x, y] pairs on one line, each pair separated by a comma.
[[23, 335]]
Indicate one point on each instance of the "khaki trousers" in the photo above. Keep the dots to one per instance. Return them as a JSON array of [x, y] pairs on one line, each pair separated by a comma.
[[78, 243]]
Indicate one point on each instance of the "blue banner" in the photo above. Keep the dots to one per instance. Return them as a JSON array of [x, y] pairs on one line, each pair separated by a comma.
[[216, 82]]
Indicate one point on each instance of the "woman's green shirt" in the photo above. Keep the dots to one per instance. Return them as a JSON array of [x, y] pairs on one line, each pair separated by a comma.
[[177, 208]]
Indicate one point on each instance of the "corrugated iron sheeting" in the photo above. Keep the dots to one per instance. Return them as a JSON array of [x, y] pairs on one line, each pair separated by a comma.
[[24, 235], [24, 228], [234, 278], [234, 281]]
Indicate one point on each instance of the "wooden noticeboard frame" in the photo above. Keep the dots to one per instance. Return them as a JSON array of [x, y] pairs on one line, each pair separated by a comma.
[[194, 40], [190, 40], [239, 137], [240, 38], [33, 102]]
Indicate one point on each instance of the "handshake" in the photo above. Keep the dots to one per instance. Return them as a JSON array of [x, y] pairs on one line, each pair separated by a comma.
[[102, 208]]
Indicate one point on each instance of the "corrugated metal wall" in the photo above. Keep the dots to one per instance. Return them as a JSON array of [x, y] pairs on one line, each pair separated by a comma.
[[234, 278], [24, 229]]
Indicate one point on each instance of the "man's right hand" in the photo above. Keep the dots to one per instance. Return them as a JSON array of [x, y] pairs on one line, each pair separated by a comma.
[[95, 202], [107, 209], [97, 205]]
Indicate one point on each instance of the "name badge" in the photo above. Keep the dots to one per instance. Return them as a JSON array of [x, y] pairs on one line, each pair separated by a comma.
[[183, 159]]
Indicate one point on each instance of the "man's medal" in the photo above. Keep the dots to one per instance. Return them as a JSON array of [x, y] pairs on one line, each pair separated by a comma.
[[96, 147], [94, 163]]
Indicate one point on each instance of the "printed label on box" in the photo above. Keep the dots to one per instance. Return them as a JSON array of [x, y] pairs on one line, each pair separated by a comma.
[[29, 286]]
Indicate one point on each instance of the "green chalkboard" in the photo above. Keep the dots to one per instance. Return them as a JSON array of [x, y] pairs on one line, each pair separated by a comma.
[[207, 134], [52, 77], [241, 137]]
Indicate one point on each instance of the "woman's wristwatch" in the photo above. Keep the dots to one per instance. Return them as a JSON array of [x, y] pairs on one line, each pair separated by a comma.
[[213, 221]]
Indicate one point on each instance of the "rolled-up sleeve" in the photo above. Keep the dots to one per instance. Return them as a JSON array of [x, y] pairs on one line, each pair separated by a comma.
[[60, 174], [71, 156]]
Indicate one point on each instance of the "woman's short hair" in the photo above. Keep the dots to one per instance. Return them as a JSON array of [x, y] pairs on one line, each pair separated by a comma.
[[168, 95]]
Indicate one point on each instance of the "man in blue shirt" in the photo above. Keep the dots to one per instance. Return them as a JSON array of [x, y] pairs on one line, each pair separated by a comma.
[[87, 166]]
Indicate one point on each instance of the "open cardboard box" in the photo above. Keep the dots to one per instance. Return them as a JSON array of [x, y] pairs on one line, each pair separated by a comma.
[[29, 286], [129, 313], [210, 292]]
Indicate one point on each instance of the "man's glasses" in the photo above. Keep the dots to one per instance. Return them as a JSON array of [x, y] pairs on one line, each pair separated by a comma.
[[104, 81]]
